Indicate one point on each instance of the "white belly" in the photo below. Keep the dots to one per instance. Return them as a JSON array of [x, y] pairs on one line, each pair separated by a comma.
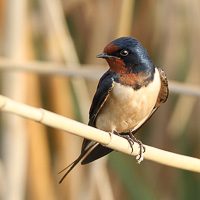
[[125, 107]]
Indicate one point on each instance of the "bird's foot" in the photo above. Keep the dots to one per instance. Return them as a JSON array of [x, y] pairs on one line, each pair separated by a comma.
[[139, 157], [127, 137], [132, 139]]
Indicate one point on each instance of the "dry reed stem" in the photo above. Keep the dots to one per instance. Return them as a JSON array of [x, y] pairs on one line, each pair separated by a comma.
[[87, 71], [60, 93], [182, 112], [110, 140], [14, 137], [66, 43]]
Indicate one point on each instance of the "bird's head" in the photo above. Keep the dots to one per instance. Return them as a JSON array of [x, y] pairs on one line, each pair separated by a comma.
[[126, 54]]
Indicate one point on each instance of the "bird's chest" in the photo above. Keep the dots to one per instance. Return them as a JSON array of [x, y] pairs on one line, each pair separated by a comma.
[[126, 107]]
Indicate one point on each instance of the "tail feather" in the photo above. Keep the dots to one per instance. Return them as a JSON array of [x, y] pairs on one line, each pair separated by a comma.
[[96, 153], [73, 164], [91, 152], [66, 168]]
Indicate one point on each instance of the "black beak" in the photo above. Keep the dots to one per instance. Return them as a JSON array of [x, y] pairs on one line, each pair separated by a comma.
[[103, 55]]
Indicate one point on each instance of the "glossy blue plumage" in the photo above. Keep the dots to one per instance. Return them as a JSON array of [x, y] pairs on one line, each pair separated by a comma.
[[138, 58]]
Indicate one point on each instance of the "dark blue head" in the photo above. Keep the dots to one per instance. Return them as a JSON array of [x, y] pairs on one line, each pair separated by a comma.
[[127, 52]]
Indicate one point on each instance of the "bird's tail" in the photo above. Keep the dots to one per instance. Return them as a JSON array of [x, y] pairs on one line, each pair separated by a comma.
[[73, 164]]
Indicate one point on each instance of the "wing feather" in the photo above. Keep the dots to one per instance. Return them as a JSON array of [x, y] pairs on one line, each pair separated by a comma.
[[164, 90], [105, 86]]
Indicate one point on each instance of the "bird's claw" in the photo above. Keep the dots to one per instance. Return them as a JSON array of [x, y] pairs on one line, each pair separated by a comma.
[[131, 139], [139, 157], [127, 137]]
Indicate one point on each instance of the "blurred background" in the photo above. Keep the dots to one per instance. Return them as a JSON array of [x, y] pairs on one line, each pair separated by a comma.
[[68, 34]]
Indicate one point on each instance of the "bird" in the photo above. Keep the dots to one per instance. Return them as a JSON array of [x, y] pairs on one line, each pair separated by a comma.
[[127, 95]]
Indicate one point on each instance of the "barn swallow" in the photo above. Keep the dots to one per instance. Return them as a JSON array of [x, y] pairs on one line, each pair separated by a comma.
[[126, 97]]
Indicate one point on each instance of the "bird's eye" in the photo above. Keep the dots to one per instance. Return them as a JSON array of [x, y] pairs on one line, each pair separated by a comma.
[[124, 52]]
